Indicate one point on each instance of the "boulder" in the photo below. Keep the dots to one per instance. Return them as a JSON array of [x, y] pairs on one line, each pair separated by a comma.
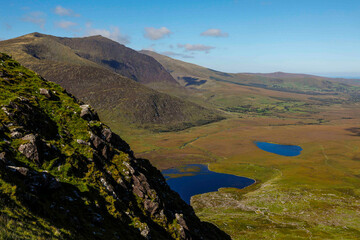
[[82, 142], [116, 141], [16, 134], [22, 170], [32, 149], [88, 114], [96, 142], [3, 158], [47, 93]]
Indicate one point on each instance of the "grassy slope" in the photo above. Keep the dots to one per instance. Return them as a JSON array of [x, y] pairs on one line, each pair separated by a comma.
[[120, 101], [101, 190], [16, 220]]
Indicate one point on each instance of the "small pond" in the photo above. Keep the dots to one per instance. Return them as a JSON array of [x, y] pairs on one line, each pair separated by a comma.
[[196, 179], [284, 150]]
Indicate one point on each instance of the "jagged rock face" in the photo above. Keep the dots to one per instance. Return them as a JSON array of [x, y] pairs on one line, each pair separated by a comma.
[[61, 167]]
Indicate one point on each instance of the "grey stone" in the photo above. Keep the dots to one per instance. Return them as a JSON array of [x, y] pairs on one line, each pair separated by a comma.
[[48, 94], [79, 141], [87, 113], [16, 135]]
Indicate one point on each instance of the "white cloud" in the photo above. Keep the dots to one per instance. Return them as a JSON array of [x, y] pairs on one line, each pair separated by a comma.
[[213, 32], [174, 54], [61, 11], [37, 18], [155, 34], [196, 47], [65, 24], [114, 34]]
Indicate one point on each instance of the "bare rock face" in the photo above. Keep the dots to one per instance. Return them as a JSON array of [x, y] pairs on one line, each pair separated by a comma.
[[35, 149], [88, 114], [31, 150], [115, 140]]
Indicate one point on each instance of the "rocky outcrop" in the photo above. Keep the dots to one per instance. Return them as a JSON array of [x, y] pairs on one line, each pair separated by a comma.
[[36, 182], [62, 167], [23, 112], [88, 113]]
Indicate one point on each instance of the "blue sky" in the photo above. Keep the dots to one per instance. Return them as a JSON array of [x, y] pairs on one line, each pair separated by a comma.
[[318, 36]]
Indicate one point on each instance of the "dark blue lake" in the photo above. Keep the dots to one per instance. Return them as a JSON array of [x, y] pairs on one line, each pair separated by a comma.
[[284, 150], [196, 179]]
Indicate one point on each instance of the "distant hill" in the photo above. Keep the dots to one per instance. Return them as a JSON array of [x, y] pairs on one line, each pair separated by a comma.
[[287, 75], [191, 75], [120, 101], [187, 74]]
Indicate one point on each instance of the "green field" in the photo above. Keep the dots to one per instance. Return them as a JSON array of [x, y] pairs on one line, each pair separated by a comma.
[[312, 196]]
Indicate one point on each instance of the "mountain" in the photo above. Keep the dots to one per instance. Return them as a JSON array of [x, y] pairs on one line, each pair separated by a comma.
[[79, 65], [65, 175], [191, 75], [115, 56]]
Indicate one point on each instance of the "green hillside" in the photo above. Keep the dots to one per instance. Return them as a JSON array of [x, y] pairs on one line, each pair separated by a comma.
[[66, 175], [120, 101]]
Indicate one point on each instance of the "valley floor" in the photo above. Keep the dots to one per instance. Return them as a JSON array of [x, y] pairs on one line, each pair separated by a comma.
[[311, 196]]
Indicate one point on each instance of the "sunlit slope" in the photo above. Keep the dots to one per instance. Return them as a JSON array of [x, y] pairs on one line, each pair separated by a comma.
[[120, 101], [65, 175]]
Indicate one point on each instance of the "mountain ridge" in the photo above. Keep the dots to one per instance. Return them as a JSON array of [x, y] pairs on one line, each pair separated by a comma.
[[278, 81], [120, 101]]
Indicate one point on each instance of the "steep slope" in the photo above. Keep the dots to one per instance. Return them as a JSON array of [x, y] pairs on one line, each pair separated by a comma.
[[66, 175], [120, 101], [117, 57]]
